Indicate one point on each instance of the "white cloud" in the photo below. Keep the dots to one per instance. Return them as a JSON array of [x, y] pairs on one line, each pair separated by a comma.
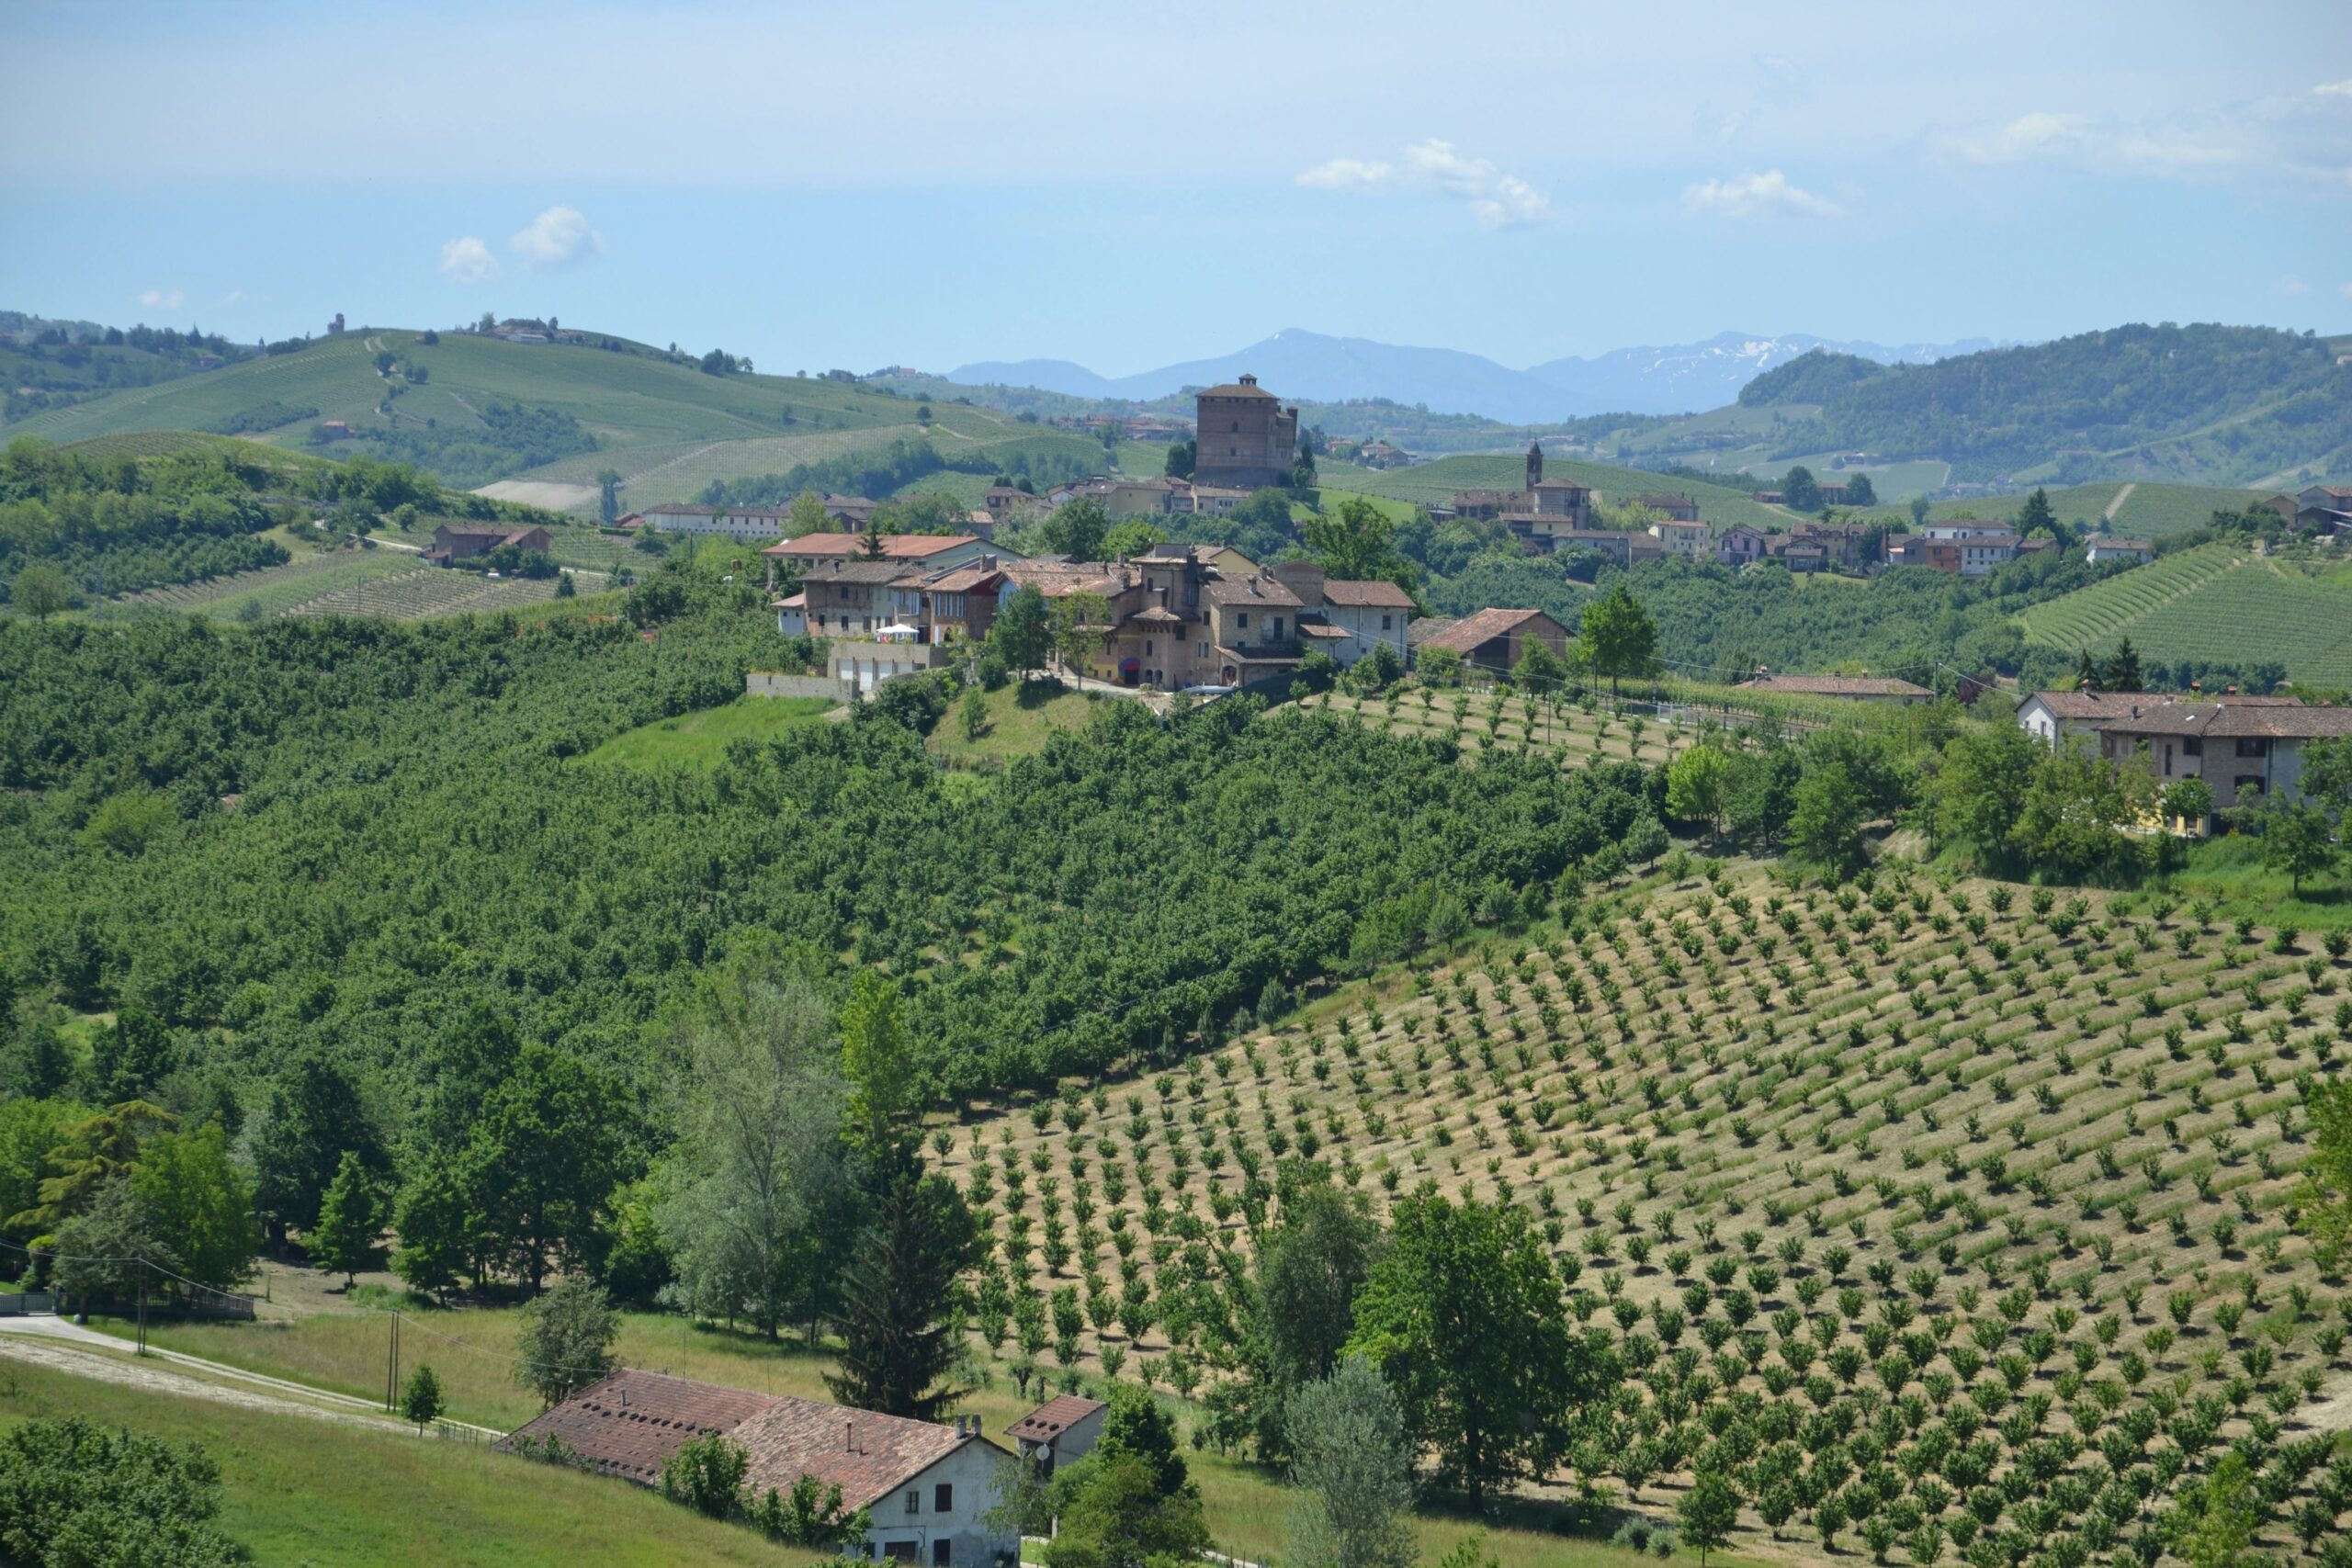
[[2298, 136], [1348, 174], [1497, 200], [558, 237], [2291, 284], [2345, 289], [1768, 195], [466, 259], [2028, 136], [162, 299]]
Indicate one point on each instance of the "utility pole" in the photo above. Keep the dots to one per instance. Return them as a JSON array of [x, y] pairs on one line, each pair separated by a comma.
[[142, 1306], [393, 1365]]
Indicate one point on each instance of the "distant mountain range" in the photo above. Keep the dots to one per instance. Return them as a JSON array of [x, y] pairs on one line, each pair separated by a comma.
[[1295, 363]]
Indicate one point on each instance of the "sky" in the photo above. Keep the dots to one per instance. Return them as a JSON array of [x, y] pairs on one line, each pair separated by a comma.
[[861, 185]]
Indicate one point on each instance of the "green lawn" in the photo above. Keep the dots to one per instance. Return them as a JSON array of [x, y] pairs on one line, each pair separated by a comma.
[[1021, 718], [699, 739], [302, 1492], [1433, 484]]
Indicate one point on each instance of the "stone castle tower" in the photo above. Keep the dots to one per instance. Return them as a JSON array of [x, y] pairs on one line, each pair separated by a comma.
[[1244, 438], [1534, 465]]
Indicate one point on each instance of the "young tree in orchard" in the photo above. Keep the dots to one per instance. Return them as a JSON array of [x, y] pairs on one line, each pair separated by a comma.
[[1618, 637], [1539, 669], [1353, 1466], [1708, 1512], [566, 1341], [1464, 1317], [1826, 824], [1698, 784], [2293, 837], [420, 1400], [350, 1218], [2325, 1194]]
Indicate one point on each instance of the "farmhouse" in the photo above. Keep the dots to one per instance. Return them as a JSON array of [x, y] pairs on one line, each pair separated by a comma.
[[1742, 545], [1543, 511], [2243, 750], [2323, 507], [2047, 716], [2131, 552], [929, 1487], [1058, 1431], [1247, 441], [463, 541], [1849, 545], [1862, 688], [1495, 640], [1622, 545]]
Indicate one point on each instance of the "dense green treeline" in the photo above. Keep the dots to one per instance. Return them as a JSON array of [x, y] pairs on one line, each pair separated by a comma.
[[413, 835], [134, 525]]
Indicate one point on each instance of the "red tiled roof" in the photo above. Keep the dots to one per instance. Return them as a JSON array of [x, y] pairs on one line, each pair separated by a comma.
[[631, 1423], [1054, 1417], [1470, 633], [1367, 595], [895, 547]]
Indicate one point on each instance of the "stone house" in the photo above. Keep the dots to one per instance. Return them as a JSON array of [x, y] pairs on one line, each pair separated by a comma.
[[2100, 551], [1060, 1431], [1492, 642], [1691, 541], [1742, 545], [928, 1487], [463, 541]]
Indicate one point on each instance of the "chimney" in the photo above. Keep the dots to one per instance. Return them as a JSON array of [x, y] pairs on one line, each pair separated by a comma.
[[988, 563], [624, 1396], [848, 1432]]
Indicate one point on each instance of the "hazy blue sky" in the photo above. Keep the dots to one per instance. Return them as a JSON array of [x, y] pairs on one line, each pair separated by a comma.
[[863, 185]]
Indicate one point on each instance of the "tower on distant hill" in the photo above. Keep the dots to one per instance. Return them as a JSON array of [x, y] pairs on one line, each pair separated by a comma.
[[1534, 463], [1246, 439]]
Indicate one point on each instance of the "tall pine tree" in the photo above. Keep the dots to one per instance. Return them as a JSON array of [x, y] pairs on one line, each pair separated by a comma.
[[898, 1342]]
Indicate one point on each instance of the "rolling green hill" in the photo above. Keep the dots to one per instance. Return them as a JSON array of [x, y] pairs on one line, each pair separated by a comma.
[[2135, 509], [2218, 604], [1433, 484], [552, 416]]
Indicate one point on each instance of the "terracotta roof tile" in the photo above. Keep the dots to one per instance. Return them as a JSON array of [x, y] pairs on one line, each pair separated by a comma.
[[1055, 1417], [1472, 632], [1368, 595]]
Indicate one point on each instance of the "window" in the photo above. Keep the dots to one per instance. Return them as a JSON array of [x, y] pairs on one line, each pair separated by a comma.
[[914, 1500], [899, 1550], [1278, 628], [2193, 747], [939, 1557], [942, 1498], [1241, 620], [1385, 621], [1146, 648], [2254, 748]]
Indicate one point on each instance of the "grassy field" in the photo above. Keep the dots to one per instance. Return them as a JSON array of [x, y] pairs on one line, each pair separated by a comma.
[[304, 1492], [1021, 718], [699, 739], [2043, 1151], [1433, 484], [2218, 602], [2148, 510]]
